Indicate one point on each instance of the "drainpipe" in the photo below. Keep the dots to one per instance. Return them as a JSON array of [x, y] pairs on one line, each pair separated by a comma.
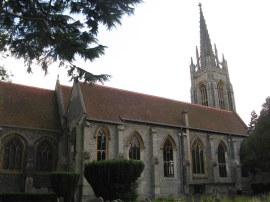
[[230, 156], [81, 123], [181, 154]]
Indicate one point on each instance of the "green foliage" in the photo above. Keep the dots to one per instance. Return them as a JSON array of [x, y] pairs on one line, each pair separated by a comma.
[[210, 198], [207, 198], [65, 184], [255, 148], [260, 188], [27, 197], [253, 121], [59, 31], [114, 179], [5, 75]]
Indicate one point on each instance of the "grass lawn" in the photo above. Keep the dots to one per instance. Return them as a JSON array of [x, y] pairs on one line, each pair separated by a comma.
[[208, 198]]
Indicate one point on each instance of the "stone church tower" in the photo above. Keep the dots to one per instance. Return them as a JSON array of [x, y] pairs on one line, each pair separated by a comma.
[[210, 81]]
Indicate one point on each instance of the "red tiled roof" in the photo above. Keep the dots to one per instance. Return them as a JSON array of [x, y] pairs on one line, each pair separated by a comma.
[[28, 107], [110, 104]]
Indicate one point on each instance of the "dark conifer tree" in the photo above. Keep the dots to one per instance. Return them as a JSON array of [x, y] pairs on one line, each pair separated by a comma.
[[253, 121], [255, 148], [47, 31]]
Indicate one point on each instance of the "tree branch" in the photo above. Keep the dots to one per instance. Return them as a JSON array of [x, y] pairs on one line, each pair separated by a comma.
[[23, 17]]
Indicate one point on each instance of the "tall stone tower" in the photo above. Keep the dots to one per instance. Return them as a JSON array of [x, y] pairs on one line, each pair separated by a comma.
[[210, 81]]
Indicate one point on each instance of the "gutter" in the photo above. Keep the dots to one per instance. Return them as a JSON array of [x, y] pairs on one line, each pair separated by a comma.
[[103, 121], [179, 126], [30, 128]]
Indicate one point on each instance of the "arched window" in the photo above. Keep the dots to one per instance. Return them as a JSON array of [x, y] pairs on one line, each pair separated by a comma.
[[13, 154], [101, 145], [221, 95], [44, 157], [222, 160], [168, 159], [197, 157], [204, 97], [134, 148]]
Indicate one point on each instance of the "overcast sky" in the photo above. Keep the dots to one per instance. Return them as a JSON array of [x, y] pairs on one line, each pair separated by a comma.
[[151, 51]]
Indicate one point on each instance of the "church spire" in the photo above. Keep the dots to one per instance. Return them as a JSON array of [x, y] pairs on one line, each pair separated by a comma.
[[210, 81], [205, 42]]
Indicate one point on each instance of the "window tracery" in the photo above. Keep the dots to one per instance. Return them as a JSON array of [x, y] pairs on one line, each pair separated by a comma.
[[134, 148], [45, 157], [101, 145], [220, 90], [222, 160], [204, 97], [13, 154], [168, 159], [197, 157]]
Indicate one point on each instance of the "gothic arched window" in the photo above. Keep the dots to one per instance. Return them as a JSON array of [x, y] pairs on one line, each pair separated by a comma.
[[220, 90], [13, 155], [168, 159], [134, 148], [204, 97], [197, 157], [44, 156], [101, 145], [222, 160]]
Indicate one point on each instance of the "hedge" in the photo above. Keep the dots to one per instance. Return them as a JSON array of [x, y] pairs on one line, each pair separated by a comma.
[[65, 184], [114, 179], [27, 197]]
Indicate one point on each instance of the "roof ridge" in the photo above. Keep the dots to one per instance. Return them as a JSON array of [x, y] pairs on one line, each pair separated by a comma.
[[23, 85], [66, 86], [135, 92], [156, 96]]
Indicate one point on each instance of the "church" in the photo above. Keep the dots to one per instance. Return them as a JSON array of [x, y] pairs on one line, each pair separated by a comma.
[[187, 148]]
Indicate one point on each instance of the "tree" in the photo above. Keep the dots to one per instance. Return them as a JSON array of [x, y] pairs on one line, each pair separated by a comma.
[[255, 148], [253, 121], [47, 31], [4, 74]]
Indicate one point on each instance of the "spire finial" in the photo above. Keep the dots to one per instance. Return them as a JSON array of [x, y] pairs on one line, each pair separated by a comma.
[[206, 47], [200, 5]]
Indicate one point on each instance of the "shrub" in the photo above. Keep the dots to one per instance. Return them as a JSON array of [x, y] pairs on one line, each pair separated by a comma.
[[114, 179], [65, 184], [27, 197], [260, 188]]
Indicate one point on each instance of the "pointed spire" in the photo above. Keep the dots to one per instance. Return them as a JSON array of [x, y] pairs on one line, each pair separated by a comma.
[[206, 47]]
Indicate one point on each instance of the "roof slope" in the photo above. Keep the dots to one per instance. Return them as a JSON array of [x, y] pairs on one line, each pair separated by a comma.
[[110, 104], [28, 107]]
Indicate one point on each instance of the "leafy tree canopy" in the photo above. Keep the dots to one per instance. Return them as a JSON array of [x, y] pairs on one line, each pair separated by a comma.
[[47, 31], [4, 74], [255, 148]]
